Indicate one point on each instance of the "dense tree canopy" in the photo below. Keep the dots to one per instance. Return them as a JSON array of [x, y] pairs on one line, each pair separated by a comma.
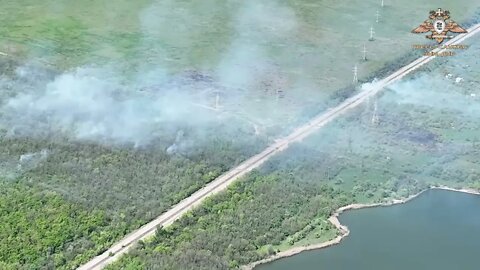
[[39, 229]]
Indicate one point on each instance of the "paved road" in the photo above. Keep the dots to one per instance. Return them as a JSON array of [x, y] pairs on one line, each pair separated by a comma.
[[222, 182]]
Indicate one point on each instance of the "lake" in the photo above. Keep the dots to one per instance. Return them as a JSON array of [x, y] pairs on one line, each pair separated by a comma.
[[438, 230]]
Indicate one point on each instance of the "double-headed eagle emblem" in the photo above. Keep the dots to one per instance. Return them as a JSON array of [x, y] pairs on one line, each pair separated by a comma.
[[439, 23]]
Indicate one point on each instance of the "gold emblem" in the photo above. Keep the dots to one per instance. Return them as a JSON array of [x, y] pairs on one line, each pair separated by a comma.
[[439, 23]]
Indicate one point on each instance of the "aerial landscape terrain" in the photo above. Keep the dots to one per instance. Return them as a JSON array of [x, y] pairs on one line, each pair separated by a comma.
[[248, 124]]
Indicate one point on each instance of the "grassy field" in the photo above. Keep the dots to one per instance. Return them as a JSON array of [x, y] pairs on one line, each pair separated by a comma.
[[298, 47]]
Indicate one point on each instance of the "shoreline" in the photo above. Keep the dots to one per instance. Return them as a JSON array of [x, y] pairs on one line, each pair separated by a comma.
[[343, 229]]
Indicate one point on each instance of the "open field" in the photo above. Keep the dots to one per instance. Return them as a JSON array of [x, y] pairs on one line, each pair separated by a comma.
[[254, 51]]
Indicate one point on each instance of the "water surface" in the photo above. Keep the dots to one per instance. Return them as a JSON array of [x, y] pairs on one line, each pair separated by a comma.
[[438, 230]]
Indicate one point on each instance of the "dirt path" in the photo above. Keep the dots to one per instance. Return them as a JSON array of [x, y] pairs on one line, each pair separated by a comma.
[[222, 182]]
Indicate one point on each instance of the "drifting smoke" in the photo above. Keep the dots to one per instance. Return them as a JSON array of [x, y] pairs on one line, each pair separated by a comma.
[[98, 104], [30, 160], [257, 23], [90, 105], [436, 91]]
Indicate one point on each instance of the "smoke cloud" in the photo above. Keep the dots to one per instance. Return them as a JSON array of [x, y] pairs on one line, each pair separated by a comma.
[[100, 104], [438, 91], [93, 104]]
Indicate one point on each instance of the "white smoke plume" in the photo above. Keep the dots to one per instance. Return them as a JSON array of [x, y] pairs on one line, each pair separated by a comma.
[[100, 104], [93, 104]]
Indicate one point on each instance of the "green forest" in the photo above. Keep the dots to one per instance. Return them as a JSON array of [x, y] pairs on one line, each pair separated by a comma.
[[108, 191], [409, 146], [276, 208], [40, 230]]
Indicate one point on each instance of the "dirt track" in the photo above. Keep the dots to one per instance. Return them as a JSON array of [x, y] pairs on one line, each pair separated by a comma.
[[222, 182]]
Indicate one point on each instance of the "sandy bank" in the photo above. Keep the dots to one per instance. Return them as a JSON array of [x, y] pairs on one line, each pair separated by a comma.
[[344, 231]]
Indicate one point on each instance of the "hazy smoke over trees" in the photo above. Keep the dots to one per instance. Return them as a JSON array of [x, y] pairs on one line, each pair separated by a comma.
[[90, 103]]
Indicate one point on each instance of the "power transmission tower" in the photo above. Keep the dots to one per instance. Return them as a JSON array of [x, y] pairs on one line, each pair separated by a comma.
[[377, 17], [375, 113], [383, 3], [364, 52], [355, 75], [372, 34]]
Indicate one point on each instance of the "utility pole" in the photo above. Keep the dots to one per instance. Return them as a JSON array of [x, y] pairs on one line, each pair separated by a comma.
[[372, 34], [355, 75], [364, 52], [378, 17], [383, 3]]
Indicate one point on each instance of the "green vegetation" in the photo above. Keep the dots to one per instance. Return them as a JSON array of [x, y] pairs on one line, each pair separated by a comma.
[[297, 47], [285, 204], [84, 195], [426, 133], [129, 187], [230, 229], [139, 184], [39, 230]]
